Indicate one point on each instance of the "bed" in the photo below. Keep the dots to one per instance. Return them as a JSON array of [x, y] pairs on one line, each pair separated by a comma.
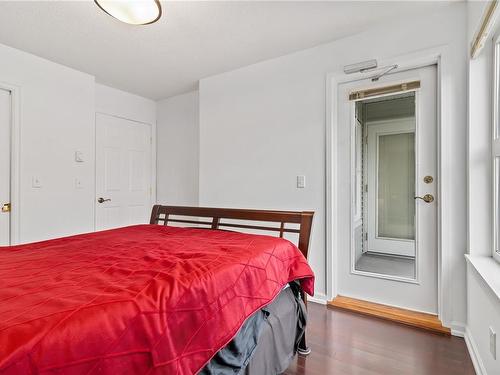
[[156, 299]]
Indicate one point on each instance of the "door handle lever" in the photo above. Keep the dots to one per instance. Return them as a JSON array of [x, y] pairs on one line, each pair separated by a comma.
[[427, 198], [6, 207], [102, 200]]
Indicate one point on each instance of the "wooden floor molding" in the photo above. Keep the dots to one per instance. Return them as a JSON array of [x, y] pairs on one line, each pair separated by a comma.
[[416, 319]]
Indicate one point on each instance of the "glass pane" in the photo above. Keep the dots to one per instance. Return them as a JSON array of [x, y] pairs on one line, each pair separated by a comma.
[[497, 204], [358, 158], [396, 186], [497, 92], [383, 229]]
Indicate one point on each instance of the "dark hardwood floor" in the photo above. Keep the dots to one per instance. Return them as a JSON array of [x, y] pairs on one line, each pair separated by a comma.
[[348, 343]]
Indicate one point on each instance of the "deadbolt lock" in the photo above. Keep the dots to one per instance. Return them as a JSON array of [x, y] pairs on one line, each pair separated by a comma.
[[428, 179], [427, 198], [6, 207]]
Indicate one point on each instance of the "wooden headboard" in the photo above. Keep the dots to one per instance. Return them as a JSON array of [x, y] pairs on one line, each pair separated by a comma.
[[219, 217]]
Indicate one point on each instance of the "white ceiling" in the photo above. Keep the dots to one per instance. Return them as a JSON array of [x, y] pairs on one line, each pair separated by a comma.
[[191, 41]]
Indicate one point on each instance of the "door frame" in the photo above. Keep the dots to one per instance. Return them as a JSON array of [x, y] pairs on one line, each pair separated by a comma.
[[152, 125], [439, 56], [15, 160]]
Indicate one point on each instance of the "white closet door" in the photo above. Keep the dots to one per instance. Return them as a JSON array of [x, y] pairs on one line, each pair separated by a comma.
[[5, 115], [123, 172]]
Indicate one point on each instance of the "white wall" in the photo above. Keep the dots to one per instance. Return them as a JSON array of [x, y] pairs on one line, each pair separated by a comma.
[[483, 310], [178, 150], [119, 103], [56, 119], [57, 107], [483, 305], [262, 125]]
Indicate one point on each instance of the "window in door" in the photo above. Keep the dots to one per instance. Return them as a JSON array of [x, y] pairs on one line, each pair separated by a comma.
[[385, 237]]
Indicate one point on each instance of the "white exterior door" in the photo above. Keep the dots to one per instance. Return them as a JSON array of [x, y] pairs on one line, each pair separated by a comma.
[[418, 292], [123, 172], [5, 138]]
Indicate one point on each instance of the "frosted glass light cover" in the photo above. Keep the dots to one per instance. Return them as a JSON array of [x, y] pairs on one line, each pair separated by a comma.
[[134, 12]]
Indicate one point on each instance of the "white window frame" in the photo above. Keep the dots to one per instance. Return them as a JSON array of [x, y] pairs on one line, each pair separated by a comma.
[[495, 149]]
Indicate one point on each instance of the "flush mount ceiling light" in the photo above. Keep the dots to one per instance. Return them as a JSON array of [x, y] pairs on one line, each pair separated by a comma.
[[134, 12]]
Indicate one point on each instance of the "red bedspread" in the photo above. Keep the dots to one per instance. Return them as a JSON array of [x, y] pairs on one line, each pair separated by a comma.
[[146, 299]]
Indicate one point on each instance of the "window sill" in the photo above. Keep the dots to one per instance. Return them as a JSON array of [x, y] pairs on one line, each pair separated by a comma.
[[489, 270]]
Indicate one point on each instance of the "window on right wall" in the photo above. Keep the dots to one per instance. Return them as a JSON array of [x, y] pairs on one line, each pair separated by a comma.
[[495, 147]]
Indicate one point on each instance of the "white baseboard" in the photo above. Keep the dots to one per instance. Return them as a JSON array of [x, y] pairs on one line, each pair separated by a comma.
[[457, 329], [318, 298], [474, 353]]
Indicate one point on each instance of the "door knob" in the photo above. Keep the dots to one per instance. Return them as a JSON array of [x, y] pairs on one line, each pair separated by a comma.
[[6, 207], [427, 198], [102, 200]]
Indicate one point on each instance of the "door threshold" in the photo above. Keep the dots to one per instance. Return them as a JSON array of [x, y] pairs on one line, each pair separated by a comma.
[[428, 322]]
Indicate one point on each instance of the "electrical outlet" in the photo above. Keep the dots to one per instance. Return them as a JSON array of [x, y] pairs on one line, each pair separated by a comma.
[[493, 343], [36, 182], [78, 183]]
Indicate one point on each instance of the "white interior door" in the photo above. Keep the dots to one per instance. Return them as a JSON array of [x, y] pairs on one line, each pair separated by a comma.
[[419, 292], [123, 172], [5, 138]]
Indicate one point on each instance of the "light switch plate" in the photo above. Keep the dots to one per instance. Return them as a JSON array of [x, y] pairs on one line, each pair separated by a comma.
[[301, 182], [79, 157], [493, 343], [36, 182]]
